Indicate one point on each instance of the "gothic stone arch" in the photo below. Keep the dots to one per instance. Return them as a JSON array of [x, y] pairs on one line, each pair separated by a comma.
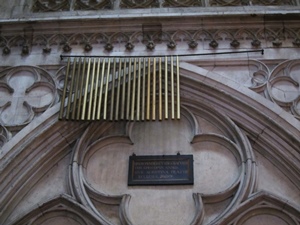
[[246, 159]]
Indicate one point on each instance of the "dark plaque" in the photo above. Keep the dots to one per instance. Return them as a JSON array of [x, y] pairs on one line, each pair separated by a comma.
[[161, 170]]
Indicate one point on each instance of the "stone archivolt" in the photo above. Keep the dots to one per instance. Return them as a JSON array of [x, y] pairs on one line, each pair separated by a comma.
[[91, 199]]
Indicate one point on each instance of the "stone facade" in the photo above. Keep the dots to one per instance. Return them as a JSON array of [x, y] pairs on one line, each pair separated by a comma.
[[240, 110]]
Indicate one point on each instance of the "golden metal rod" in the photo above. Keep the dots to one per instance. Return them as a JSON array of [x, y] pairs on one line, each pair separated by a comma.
[[166, 89], [106, 89], [148, 88], [178, 87], [154, 90], [91, 91], [81, 90], [113, 77], [129, 89], [101, 90], [172, 89], [143, 89], [86, 90], [138, 92], [71, 90], [123, 91], [118, 90], [76, 93], [62, 104], [133, 90], [96, 90], [160, 90]]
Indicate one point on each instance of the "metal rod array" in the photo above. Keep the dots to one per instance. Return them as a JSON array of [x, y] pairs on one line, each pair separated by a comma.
[[113, 89]]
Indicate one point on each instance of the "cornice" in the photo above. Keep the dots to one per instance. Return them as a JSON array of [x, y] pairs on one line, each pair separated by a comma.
[[241, 32]]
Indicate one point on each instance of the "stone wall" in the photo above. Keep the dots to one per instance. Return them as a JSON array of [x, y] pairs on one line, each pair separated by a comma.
[[240, 114]]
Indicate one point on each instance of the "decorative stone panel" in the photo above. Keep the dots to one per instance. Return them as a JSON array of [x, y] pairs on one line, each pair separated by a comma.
[[280, 85], [133, 4], [92, 4], [50, 5], [25, 92], [69, 5], [251, 2]]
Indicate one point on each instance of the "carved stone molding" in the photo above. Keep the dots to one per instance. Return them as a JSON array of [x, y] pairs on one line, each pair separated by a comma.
[[212, 38], [57, 210]]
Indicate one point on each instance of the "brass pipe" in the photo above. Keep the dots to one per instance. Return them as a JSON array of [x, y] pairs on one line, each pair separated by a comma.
[[159, 90], [118, 90], [101, 90], [144, 89], [154, 90], [81, 90], [96, 90], [113, 89], [62, 104], [166, 89], [129, 89], [133, 90], [178, 87], [106, 89], [123, 91], [76, 93], [138, 92], [172, 90], [71, 90], [91, 90], [86, 90], [148, 88]]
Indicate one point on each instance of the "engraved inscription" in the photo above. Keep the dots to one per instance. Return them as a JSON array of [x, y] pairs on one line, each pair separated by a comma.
[[147, 170]]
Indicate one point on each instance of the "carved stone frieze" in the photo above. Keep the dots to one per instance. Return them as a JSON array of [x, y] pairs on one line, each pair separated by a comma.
[[69, 5], [235, 38]]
